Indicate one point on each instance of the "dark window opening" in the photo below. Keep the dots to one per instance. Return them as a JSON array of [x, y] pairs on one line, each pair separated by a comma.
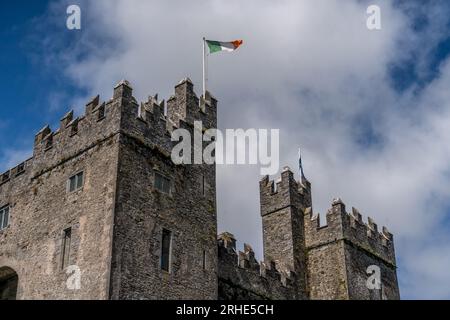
[[65, 248], [8, 284], [203, 185], [166, 248], [204, 260], [76, 182], [4, 218], [162, 183]]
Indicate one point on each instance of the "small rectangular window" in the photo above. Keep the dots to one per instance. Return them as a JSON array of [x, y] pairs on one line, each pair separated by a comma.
[[166, 250], [65, 248], [76, 182], [4, 218], [162, 183], [203, 185], [204, 260]]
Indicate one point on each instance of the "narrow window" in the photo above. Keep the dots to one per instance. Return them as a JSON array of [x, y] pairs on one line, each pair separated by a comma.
[[162, 183], [166, 248], [203, 185], [4, 218], [65, 248], [76, 182], [204, 260]]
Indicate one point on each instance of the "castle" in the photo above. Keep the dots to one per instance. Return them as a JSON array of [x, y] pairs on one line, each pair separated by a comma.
[[101, 212]]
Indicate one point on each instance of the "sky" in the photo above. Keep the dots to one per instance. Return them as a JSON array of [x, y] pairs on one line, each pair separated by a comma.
[[370, 109]]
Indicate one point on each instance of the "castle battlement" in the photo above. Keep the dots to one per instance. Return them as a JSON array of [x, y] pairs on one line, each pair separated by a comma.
[[15, 172], [242, 266], [352, 228], [284, 192], [102, 191], [150, 122]]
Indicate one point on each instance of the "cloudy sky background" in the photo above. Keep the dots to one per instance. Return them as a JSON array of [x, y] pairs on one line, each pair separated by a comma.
[[371, 109]]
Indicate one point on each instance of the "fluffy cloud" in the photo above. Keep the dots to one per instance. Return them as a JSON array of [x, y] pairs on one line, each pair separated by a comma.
[[313, 70]]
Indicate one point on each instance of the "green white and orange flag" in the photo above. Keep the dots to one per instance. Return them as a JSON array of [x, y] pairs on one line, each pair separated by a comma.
[[217, 46]]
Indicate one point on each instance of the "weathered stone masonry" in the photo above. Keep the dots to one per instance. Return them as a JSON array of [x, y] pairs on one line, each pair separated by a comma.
[[118, 216]]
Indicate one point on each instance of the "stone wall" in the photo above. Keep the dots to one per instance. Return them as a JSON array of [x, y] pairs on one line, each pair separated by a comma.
[[118, 216], [241, 277], [340, 252], [282, 204], [142, 211], [41, 207]]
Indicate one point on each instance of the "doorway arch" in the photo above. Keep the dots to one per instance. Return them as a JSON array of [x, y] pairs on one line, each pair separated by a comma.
[[9, 281]]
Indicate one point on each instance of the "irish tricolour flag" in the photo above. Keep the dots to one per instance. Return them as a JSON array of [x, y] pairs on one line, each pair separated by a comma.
[[217, 46]]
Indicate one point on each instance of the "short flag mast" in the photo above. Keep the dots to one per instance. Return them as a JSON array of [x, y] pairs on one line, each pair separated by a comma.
[[300, 164], [213, 47], [204, 68]]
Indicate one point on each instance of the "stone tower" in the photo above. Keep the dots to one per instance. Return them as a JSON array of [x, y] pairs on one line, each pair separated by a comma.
[[186, 213], [282, 207], [102, 198], [102, 212], [343, 254], [334, 261]]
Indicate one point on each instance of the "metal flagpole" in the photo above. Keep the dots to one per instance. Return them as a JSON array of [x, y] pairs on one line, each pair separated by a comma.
[[204, 68], [300, 164]]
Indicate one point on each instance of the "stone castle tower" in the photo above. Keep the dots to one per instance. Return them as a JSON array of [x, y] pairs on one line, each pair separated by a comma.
[[304, 260], [101, 212]]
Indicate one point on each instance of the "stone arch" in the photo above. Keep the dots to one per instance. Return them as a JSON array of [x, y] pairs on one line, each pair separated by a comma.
[[9, 281]]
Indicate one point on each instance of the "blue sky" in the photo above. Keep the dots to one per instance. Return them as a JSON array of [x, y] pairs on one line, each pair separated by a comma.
[[369, 108], [29, 85]]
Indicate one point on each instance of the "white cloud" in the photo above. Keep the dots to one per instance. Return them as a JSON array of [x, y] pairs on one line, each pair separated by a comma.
[[312, 69]]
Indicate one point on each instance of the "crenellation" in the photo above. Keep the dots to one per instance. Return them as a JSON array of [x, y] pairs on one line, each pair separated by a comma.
[[45, 131], [227, 240], [5, 177], [123, 90], [350, 226], [73, 125], [327, 247], [92, 104], [242, 277], [122, 147], [247, 259], [66, 120], [270, 270], [16, 171], [186, 106]]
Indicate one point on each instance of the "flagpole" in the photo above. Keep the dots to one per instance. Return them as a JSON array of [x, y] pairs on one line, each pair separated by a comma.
[[204, 68], [300, 164]]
